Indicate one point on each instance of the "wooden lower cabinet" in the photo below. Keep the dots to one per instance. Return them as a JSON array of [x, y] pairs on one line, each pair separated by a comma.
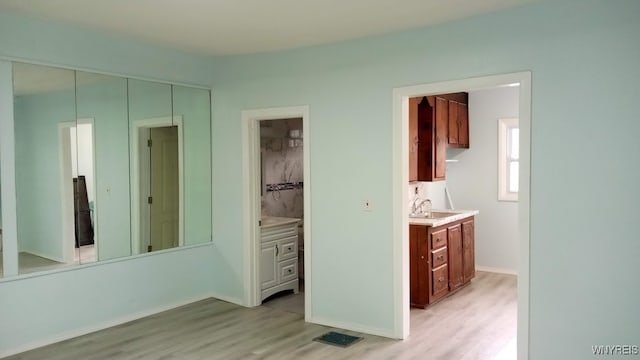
[[441, 260], [456, 271], [469, 257]]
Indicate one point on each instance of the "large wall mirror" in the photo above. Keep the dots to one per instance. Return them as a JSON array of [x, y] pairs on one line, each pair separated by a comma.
[[107, 167]]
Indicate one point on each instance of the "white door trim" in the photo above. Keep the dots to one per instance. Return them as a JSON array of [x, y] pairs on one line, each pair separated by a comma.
[[139, 222], [66, 189], [251, 198], [400, 171]]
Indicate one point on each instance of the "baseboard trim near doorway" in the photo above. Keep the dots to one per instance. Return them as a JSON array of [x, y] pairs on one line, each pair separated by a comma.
[[496, 270], [353, 327]]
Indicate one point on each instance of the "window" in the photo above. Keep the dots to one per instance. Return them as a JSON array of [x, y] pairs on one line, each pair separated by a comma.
[[508, 159]]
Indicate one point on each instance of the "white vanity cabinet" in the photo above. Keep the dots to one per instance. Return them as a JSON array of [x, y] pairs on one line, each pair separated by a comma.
[[278, 255]]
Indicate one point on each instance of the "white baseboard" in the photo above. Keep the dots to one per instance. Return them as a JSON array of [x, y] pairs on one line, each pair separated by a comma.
[[354, 327], [229, 299], [100, 326], [496, 270]]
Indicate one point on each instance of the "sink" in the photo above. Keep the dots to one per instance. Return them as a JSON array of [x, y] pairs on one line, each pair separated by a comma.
[[433, 215]]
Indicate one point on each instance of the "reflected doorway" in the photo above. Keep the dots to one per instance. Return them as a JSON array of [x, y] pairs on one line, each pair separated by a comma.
[[77, 169], [163, 188], [157, 185]]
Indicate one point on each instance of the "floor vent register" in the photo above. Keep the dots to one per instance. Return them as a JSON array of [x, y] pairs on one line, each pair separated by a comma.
[[337, 339]]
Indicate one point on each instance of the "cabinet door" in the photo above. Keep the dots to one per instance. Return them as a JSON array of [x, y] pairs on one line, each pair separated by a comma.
[[268, 266], [453, 122], [440, 139], [455, 257], [463, 125], [413, 138], [468, 243], [418, 265]]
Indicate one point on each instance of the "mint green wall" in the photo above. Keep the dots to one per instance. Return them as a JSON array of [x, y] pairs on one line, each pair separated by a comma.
[[584, 58], [194, 107], [36, 309], [106, 103], [473, 180], [38, 171]]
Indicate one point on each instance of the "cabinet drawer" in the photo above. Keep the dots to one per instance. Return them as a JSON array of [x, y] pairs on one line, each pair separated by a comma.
[[288, 248], [440, 281], [438, 239], [288, 270], [439, 257], [278, 232]]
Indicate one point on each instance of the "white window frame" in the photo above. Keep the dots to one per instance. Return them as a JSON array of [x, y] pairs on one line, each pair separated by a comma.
[[504, 158]]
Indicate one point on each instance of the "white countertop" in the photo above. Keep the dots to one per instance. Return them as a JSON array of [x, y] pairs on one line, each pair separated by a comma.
[[268, 221], [455, 216]]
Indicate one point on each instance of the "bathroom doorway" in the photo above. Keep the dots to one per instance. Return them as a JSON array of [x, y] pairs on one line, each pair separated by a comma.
[[277, 204], [282, 209]]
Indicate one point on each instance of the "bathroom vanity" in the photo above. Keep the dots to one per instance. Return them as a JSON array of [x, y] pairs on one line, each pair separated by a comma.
[[278, 255]]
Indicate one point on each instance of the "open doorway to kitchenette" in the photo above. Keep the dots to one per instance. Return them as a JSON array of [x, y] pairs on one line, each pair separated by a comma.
[[439, 273], [277, 208]]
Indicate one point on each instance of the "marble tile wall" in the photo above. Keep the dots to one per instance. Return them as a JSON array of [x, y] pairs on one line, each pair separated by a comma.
[[282, 164]]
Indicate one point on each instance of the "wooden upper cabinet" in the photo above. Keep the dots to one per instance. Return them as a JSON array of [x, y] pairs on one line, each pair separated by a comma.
[[413, 138], [440, 139], [435, 123], [427, 139], [463, 127], [458, 120], [453, 122]]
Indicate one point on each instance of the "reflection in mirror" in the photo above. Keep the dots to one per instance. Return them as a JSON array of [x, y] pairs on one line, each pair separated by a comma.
[[44, 113], [103, 167], [1, 257], [193, 107], [156, 168], [107, 167]]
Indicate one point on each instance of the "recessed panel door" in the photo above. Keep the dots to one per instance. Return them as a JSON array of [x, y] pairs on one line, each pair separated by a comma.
[[164, 199]]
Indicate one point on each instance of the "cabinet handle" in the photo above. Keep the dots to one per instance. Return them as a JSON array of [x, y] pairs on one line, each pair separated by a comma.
[[441, 257], [440, 279], [289, 271], [277, 251], [289, 248]]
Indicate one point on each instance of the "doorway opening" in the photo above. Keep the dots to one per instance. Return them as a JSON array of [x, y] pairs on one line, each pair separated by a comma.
[[402, 192], [277, 203], [79, 202], [157, 185]]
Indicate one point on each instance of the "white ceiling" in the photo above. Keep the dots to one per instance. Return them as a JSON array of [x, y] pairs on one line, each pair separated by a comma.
[[226, 27]]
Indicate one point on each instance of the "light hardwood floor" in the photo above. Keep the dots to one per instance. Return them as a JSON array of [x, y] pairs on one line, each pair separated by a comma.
[[478, 322], [29, 263]]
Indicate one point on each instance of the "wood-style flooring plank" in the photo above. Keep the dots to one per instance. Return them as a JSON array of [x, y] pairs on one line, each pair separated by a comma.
[[476, 323]]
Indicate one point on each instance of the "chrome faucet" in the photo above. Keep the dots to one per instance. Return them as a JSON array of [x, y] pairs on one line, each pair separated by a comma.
[[427, 211], [419, 204]]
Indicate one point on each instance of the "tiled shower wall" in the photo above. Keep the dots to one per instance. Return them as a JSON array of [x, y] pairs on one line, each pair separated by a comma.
[[281, 164]]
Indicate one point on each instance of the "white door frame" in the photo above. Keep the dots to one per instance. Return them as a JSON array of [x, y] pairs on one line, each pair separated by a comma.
[[400, 171], [251, 198], [140, 222], [66, 189]]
